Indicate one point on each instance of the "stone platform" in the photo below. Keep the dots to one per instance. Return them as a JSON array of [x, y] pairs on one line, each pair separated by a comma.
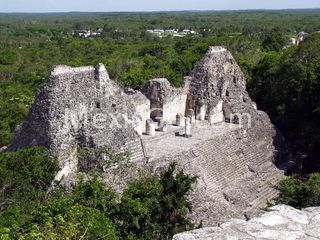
[[164, 143]]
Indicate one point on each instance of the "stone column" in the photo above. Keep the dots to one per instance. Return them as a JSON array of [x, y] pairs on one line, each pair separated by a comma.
[[187, 127], [150, 127], [163, 126], [202, 112], [211, 119], [191, 115], [179, 119]]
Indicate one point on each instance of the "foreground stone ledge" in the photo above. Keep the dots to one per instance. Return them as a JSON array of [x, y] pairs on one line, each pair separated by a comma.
[[280, 222]]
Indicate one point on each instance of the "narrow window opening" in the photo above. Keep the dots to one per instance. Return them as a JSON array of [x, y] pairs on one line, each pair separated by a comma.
[[98, 105]]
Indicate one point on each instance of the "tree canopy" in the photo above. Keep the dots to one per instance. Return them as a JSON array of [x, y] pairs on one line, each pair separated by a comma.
[[152, 207]]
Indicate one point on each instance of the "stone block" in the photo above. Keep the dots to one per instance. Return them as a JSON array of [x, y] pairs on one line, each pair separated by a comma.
[[216, 118], [150, 127]]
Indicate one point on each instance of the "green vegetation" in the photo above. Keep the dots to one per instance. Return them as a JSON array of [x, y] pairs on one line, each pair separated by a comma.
[[274, 40], [25, 176], [300, 193], [153, 207], [287, 85], [156, 208]]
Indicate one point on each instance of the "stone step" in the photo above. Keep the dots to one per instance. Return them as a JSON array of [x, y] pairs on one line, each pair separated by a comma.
[[218, 181], [262, 200], [266, 192]]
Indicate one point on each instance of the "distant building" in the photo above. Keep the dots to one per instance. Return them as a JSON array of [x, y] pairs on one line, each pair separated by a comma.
[[90, 33], [171, 32], [291, 42]]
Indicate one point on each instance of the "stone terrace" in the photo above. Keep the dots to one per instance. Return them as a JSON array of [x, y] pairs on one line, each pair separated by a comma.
[[164, 143]]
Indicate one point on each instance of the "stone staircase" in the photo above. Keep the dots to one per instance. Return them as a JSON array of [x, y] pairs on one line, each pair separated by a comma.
[[135, 150], [228, 166], [222, 167]]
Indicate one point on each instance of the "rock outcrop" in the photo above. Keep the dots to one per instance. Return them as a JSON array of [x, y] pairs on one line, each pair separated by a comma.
[[278, 223]]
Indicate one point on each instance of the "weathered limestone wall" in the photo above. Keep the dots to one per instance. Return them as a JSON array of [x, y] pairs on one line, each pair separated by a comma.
[[174, 107], [141, 109], [218, 77]]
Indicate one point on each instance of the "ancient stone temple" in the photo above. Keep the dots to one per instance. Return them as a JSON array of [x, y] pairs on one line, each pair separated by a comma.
[[209, 126], [80, 107]]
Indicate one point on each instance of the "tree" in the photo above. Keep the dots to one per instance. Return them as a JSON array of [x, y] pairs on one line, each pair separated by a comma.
[[274, 40], [25, 175], [156, 207], [286, 85], [64, 217]]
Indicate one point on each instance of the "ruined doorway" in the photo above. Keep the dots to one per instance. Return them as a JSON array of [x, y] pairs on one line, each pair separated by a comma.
[[156, 104], [190, 104], [226, 109]]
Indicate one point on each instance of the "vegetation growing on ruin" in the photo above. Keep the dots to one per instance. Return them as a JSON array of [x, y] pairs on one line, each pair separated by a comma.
[[96, 160], [153, 207]]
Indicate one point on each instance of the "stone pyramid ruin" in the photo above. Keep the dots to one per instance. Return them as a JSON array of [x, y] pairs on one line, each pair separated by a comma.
[[209, 126]]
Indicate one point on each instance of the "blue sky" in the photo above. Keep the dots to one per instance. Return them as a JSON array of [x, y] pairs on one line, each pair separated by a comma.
[[148, 5]]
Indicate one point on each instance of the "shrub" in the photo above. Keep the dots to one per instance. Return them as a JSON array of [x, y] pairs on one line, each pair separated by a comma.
[[300, 193]]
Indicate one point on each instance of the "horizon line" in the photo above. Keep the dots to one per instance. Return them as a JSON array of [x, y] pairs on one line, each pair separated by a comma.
[[163, 11]]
